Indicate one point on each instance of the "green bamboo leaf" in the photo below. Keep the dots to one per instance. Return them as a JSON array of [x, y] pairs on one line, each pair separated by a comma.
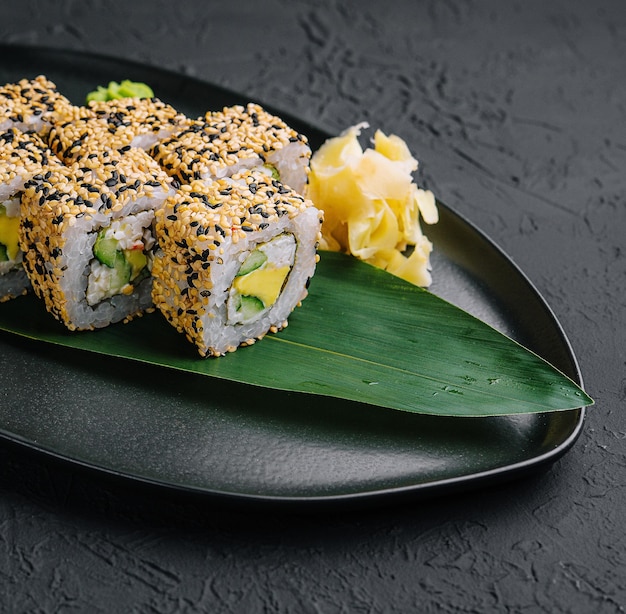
[[361, 335]]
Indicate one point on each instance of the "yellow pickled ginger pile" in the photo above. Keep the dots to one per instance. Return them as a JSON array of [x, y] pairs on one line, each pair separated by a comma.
[[372, 207]]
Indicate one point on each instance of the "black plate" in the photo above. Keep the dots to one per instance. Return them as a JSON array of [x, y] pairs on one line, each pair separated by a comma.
[[173, 429]]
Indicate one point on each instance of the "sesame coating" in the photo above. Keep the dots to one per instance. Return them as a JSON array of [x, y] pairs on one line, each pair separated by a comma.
[[114, 124], [85, 134], [32, 104], [103, 181], [120, 175], [252, 122], [23, 154], [151, 114], [48, 203], [208, 147], [201, 214]]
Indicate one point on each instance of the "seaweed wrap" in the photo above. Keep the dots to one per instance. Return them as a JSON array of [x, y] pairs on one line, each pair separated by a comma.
[[232, 140], [87, 237], [22, 156], [32, 105], [235, 258], [114, 124]]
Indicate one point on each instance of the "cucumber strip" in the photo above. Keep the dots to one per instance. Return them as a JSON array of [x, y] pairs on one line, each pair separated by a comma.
[[254, 260], [250, 306], [105, 250]]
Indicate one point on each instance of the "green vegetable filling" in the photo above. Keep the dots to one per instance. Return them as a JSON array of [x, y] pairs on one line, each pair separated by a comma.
[[249, 307], [127, 264], [261, 278], [256, 259]]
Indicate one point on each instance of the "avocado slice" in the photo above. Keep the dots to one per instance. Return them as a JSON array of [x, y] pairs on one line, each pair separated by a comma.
[[3, 253], [137, 261], [254, 260]]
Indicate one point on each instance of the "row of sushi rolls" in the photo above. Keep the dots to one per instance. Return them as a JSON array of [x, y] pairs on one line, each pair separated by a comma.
[[120, 207]]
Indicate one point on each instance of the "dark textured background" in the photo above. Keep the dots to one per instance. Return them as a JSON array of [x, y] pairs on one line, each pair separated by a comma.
[[517, 113]]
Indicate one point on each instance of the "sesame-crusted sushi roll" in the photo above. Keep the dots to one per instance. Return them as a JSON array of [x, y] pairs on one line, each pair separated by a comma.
[[114, 124], [235, 258], [87, 237], [232, 140], [22, 156], [32, 105]]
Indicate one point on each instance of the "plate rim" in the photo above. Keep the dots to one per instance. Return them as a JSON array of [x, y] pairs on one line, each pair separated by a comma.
[[419, 489]]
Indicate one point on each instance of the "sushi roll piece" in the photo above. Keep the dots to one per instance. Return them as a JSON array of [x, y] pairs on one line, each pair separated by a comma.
[[114, 124], [235, 258], [22, 156], [237, 138], [87, 237], [32, 105]]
